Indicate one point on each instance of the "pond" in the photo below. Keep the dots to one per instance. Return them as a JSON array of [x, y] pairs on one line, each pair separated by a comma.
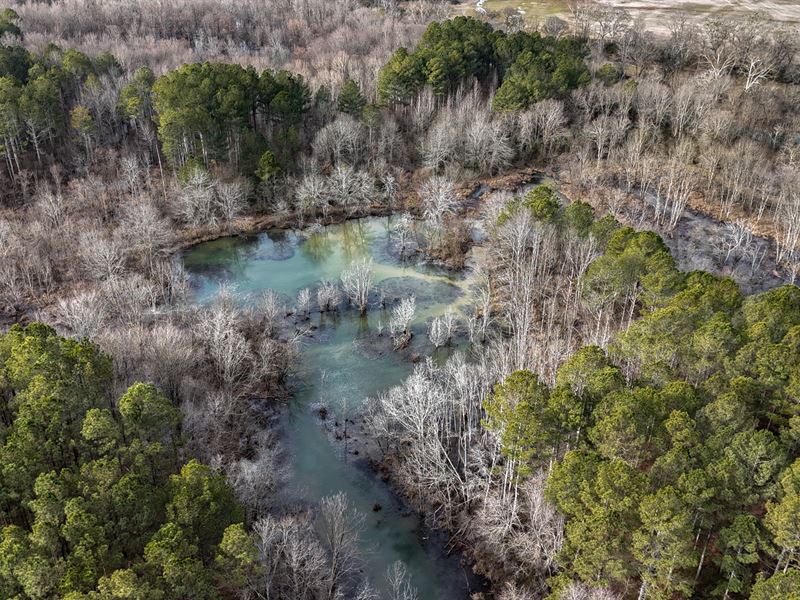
[[344, 361]]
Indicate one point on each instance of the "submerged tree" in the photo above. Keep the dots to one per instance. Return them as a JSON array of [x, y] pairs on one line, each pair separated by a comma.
[[402, 315], [357, 283]]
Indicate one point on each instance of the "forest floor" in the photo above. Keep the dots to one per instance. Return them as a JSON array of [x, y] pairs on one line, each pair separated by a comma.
[[698, 242]]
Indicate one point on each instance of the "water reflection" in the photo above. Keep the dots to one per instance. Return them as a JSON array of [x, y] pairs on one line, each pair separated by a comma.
[[343, 363], [318, 246]]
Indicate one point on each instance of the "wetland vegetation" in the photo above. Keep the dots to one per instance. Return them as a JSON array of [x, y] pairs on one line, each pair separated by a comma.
[[325, 300]]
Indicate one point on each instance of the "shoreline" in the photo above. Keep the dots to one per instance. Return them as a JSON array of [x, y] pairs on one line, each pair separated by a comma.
[[359, 450], [697, 223], [256, 223]]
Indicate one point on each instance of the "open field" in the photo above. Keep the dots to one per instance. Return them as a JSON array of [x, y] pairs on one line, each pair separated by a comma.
[[532, 9], [655, 12]]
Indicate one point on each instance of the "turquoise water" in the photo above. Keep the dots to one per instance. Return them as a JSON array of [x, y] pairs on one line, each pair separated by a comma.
[[344, 362]]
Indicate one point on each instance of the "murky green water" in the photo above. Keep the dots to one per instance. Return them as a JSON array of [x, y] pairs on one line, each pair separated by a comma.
[[343, 363]]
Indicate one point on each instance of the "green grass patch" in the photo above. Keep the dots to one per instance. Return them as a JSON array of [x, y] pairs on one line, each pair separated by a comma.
[[532, 9]]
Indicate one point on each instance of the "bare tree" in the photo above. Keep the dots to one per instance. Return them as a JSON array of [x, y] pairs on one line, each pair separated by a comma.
[[512, 592], [328, 296], [399, 580], [674, 187], [441, 328], [402, 231], [788, 223], [390, 188], [311, 194], [758, 67], [343, 140], [581, 11], [357, 283], [270, 310], [606, 133], [128, 297], [734, 239], [52, 208], [653, 102], [144, 229], [437, 333], [610, 23], [550, 123], [219, 331], [231, 198], [84, 315], [304, 302], [256, 479], [439, 146], [402, 315], [580, 591], [687, 108], [719, 49], [429, 10], [487, 146], [196, 200], [429, 421], [171, 356], [366, 592], [684, 41], [350, 189], [294, 562], [340, 526], [554, 27], [102, 257], [11, 286], [438, 201], [638, 47]]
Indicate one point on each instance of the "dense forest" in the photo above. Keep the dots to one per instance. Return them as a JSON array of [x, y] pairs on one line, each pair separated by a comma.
[[615, 413], [93, 484]]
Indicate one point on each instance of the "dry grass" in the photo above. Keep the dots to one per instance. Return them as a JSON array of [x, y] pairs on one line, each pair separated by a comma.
[[530, 9], [655, 12]]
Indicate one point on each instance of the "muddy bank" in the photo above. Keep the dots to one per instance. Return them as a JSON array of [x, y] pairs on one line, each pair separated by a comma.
[[258, 223], [468, 193]]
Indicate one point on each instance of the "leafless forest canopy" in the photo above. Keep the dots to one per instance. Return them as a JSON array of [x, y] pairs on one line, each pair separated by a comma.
[[614, 424]]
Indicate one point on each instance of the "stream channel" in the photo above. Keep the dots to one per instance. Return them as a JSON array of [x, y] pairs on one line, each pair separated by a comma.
[[343, 362]]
